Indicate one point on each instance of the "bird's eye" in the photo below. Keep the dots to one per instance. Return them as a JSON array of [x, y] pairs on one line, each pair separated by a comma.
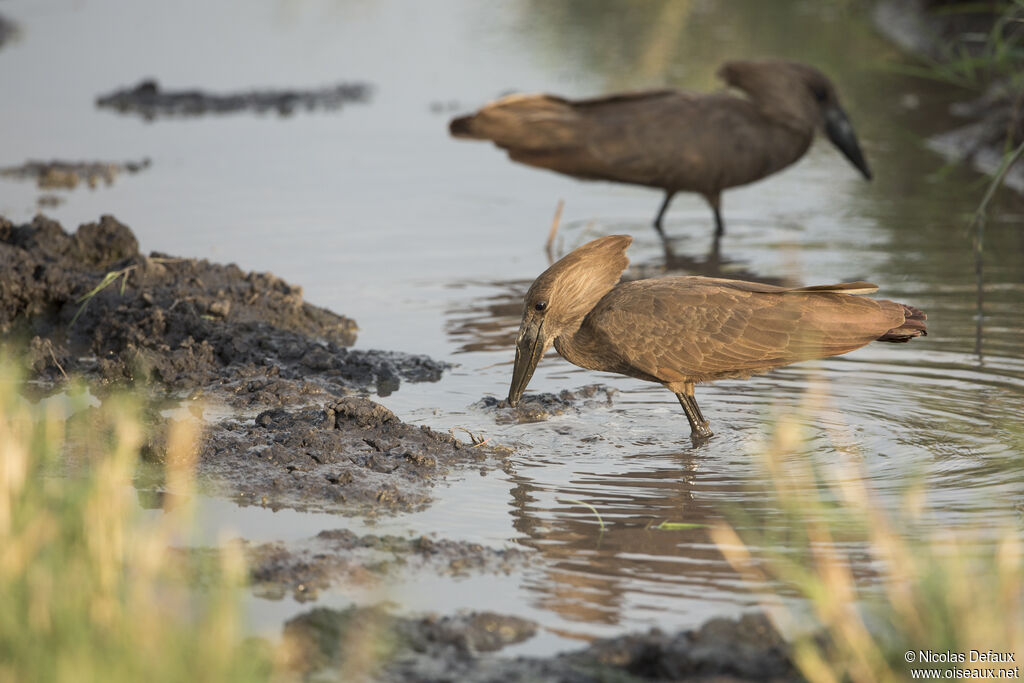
[[819, 91], [540, 305]]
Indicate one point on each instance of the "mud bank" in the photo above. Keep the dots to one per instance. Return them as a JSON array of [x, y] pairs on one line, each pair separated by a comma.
[[992, 121], [450, 649], [216, 334], [340, 558], [149, 101], [187, 325], [67, 175], [352, 456]]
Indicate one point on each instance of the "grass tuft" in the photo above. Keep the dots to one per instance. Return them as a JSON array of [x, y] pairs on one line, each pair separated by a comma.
[[92, 589], [109, 279], [878, 581]]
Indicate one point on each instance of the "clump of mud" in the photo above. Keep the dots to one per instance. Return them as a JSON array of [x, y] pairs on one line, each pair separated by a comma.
[[351, 456], [340, 557], [435, 648], [67, 175], [540, 407], [449, 648], [186, 324], [148, 100]]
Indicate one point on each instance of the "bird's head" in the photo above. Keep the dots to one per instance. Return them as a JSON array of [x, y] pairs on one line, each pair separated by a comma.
[[560, 298], [795, 91]]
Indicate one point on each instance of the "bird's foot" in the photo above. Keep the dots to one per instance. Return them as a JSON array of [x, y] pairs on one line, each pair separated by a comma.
[[700, 431]]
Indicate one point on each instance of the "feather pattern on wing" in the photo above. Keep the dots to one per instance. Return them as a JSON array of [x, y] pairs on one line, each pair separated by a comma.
[[687, 329]]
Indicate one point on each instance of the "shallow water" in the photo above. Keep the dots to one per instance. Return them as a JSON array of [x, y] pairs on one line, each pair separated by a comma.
[[429, 243]]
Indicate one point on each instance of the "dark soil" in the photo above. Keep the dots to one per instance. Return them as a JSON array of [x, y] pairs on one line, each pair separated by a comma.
[[49, 201], [147, 100], [540, 407], [186, 324], [449, 649], [340, 557], [352, 456], [67, 175]]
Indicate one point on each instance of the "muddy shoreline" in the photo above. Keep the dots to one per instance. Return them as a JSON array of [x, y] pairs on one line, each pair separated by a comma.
[[304, 434], [148, 100], [458, 647]]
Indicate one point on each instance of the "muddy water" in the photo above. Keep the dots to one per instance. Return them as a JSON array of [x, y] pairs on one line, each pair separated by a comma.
[[429, 243]]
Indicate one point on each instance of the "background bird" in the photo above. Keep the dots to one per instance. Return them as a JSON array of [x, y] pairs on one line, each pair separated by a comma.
[[680, 331], [676, 141]]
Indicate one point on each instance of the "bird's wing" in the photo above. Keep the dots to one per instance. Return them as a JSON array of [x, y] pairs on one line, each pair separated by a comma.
[[686, 329], [639, 137], [673, 140], [538, 122], [635, 96]]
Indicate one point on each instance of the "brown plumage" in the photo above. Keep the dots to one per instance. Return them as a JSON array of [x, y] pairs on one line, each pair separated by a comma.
[[676, 141], [680, 331]]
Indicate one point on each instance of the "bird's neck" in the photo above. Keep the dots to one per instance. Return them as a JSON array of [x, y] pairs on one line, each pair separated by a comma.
[[791, 145], [782, 107], [578, 347]]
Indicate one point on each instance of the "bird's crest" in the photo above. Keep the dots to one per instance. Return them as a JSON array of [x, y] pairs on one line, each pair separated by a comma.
[[570, 288]]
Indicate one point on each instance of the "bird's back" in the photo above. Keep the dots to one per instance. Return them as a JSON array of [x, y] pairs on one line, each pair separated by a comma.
[[660, 138], [688, 329]]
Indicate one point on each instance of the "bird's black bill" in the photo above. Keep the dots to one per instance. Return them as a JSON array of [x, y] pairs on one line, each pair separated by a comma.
[[840, 131], [529, 348]]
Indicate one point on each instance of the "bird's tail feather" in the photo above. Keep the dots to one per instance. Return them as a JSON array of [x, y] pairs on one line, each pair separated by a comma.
[[522, 122], [859, 287], [462, 127], [913, 326]]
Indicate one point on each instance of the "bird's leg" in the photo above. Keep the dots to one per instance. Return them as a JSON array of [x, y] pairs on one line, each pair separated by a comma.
[[670, 256], [661, 214], [699, 428], [715, 200], [715, 255]]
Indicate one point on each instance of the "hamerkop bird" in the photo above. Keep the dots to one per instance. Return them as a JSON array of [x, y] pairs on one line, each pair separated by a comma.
[[679, 331], [676, 141]]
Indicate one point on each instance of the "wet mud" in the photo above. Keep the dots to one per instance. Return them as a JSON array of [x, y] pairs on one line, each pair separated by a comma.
[[187, 325], [215, 334], [455, 648], [67, 175], [544, 406], [49, 201], [149, 100], [340, 557], [352, 456]]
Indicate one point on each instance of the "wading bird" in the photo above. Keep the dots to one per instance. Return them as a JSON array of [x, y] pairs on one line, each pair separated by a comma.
[[680, 331], [672, 140]]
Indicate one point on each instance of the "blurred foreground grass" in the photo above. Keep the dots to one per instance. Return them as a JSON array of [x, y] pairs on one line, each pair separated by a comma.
[[90, 587], [875, 578]]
